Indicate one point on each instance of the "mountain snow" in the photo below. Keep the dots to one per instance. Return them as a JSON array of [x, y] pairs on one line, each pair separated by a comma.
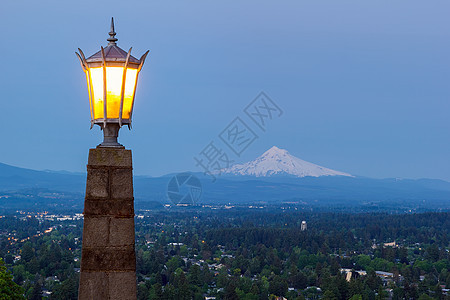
[[276, 161]]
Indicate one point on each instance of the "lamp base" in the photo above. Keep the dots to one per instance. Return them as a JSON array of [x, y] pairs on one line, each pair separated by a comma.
[[110, 135], [108, 257]]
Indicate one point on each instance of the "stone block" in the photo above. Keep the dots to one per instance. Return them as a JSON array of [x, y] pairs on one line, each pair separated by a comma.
[[121, 232], [121, 184], [96, 232], [108, 259], [97, 184], [110, 157], [119, 208], [93, 286], [122, 285]]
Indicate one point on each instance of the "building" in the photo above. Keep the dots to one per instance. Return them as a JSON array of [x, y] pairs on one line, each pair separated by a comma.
[[392, 244], [349, 274], [303, 226]]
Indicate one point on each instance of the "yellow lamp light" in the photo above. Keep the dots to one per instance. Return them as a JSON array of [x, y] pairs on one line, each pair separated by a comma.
[[111, 76], [115, 78]]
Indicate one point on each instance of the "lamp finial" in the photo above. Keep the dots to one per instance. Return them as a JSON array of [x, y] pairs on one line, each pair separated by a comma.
[[112, 34]]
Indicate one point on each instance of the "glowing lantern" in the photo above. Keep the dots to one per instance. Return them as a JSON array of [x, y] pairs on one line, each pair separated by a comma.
[[111, 76]]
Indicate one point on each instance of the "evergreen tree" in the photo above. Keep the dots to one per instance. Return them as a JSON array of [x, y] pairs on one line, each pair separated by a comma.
[[230, 291], [8, 288], [278, 286], [36, 293]]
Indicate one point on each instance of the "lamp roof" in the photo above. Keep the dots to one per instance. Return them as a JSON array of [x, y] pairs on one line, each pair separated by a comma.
[[113, 53]]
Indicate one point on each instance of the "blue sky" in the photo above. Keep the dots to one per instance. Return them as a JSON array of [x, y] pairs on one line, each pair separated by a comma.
[[364, 85]]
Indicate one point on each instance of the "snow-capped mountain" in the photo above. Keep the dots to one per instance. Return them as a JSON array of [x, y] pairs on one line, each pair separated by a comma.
[[276, 161]]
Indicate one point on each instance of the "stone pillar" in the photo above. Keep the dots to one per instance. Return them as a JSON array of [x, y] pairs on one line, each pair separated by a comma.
[[108, 259]]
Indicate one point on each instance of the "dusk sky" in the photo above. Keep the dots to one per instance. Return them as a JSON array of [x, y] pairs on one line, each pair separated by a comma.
[[364, 85]]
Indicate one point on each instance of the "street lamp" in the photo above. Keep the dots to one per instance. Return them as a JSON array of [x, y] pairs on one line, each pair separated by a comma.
[[108, 254], [111, 76]]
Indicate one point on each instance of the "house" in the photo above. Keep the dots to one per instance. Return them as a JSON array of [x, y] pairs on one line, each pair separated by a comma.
[[384, 274], [348, 273], [392, 244]]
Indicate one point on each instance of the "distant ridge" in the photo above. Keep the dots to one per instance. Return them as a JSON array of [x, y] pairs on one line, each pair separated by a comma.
[[276, 161], [22, 188]]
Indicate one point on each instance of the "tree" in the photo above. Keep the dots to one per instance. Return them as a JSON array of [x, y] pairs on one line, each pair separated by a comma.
[[36, 293], [299, 280], [182, 286], [156, 292], [278, 286], [230, 291], [142, 292], [329, 295], [27, 252], [342, 286], [432, 252], [8, 288], [195, 275], [68, 289]]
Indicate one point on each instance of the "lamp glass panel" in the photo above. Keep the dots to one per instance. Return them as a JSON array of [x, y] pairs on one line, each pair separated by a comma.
[[89, 90], [130, 85], [114, 87], [97, 91], [114, 77]]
